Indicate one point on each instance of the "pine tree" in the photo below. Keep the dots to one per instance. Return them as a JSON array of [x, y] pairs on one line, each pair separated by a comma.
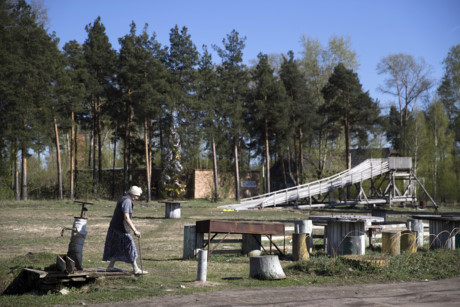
[[78, 76], [100, 59], [208, 96], [30, 61], [182, 109], [269, 110], [302, 112], [234, 88], [141, 80], [346, 103]]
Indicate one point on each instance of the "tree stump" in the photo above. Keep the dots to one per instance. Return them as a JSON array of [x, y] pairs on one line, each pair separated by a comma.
[[266, 267], [409, 241], [299, 247], [391, 242]]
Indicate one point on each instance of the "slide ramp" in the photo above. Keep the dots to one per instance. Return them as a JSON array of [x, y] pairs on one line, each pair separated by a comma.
[[366, 170]]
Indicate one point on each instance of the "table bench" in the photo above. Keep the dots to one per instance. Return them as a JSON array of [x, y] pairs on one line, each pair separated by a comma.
[[216, 227]]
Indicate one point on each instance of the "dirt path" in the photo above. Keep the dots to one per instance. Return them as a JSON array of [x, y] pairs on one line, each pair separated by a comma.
[[429, 293]]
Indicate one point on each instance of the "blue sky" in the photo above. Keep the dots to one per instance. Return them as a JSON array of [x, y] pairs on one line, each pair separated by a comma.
[[422, 28]]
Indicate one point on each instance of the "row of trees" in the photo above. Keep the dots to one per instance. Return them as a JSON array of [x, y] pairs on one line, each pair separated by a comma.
[[305, 113]]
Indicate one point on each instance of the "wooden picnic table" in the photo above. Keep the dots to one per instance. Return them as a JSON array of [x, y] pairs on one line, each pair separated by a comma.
[[256, 229]]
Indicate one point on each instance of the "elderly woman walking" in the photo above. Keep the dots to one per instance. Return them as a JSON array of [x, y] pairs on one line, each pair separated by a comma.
[[119, 244]]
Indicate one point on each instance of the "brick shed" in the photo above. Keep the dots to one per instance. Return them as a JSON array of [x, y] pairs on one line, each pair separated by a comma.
[[202, 184]]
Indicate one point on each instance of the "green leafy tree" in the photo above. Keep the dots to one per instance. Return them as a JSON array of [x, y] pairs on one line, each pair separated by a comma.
[[317, 64], [442, 141], [393, 131], [409, 82], [449, 94], [234, 79], [345, 102]]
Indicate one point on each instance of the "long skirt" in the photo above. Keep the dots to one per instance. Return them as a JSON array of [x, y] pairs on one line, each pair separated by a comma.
[[119, 246]]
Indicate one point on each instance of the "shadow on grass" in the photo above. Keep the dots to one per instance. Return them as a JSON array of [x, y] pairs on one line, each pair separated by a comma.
[[162, 260], [232, 278]]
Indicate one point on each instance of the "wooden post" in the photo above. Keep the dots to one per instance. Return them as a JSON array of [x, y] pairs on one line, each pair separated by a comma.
[[306, 226], [192, 241], [299, 247], [266, 267], [409, 241], [251, 242], [202, 265], [391, 242]]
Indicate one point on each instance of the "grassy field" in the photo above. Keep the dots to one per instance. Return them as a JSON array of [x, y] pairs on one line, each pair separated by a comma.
[[30, 236]]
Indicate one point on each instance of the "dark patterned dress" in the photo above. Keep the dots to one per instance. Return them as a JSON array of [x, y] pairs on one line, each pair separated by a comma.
[[119, 244]]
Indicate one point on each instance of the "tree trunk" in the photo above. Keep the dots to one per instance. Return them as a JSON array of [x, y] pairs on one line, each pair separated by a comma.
[[24, 173], [214, 168], [237, 171], [76, 162], [130, 152], [435, 160], [72, 157], [283, 170], [347, 151], [147, 160], [94, 145], [347, 144], [114, 159], [125, 156], [16, 170], [300, 167], [267, 156], [125, 162], [90, 151], [296, 161], [99, 143], [162, 156], [58, 158]]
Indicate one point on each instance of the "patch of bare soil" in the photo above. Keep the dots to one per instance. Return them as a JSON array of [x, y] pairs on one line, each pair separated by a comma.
[[428, 293]]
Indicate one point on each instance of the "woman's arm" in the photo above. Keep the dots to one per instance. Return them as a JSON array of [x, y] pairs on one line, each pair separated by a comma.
[[131, 225]]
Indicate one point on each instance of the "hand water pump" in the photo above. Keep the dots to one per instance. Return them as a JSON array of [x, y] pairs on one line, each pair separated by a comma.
[[77, 240]]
